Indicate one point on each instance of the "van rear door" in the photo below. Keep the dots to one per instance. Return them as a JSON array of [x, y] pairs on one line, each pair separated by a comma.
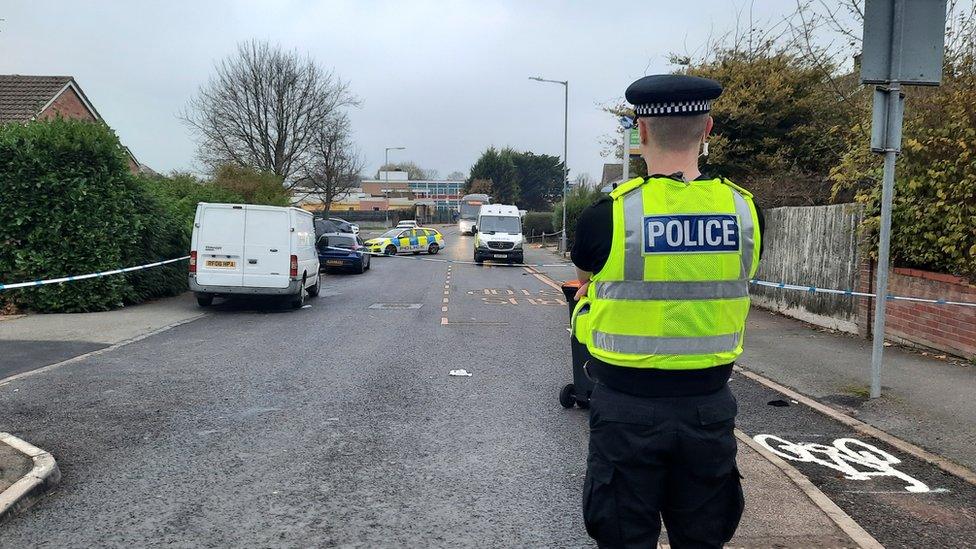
[[267, 247], [220, 245]]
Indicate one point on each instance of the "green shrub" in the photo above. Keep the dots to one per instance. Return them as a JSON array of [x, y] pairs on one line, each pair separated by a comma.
[[65, 209], [577, 200], [535, 223]]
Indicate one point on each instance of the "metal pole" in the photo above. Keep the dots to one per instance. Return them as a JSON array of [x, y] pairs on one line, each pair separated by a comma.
[[565, 162], [386, 178], [892, 142], [893, 122]]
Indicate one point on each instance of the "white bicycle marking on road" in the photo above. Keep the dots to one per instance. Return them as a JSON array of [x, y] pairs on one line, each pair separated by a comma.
[[845, 456]]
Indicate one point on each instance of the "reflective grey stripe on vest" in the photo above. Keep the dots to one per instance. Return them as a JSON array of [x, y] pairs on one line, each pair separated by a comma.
[[633, 239], [649, 345], [746, 232], [640, 290]]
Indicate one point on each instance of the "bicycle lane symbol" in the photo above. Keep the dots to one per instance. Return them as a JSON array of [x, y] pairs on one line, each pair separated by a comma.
[[857, 460]]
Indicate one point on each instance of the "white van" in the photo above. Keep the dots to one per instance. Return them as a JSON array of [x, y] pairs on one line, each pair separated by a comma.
[[253, 250], [498, 234]]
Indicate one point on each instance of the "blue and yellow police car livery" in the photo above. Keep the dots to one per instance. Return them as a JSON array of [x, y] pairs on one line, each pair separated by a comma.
[[415, 240]]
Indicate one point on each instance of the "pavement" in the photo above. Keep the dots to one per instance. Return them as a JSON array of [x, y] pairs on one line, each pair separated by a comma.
[[338, 425], [37, 340]]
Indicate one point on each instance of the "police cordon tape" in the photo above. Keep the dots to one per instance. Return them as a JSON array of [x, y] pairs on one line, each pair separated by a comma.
[[90, 275], [766, 283]]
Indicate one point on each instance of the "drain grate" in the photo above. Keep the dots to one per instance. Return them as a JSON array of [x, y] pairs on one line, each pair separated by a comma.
[[396, 306]]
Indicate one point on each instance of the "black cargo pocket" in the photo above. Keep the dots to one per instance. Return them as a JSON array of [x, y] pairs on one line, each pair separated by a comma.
[[600, 502], [736, 502], [718, 414]]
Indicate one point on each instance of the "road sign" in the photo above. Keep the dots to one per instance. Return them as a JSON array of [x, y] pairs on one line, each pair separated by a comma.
[[634, 142], [903, 42]]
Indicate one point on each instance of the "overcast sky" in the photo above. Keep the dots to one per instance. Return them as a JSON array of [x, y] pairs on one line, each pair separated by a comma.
[[444, 79]]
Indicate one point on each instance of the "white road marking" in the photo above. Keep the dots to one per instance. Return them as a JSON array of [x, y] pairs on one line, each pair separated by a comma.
[[845, 455]]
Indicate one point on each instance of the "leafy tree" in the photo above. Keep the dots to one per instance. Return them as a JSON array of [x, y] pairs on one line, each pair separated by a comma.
[[480, 186], [540, 179], [934, 207], [499, 168]]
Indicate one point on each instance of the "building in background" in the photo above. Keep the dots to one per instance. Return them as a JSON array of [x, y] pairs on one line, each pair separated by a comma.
[[433, 200], [25, 98]]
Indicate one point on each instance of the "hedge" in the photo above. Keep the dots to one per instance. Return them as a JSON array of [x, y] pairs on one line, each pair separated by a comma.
[[536, 223], [70, 206]]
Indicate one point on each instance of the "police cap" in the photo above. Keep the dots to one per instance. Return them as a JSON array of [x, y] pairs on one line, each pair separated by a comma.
[[672, 95]]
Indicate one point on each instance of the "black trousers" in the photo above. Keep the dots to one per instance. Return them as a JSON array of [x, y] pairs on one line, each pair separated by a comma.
[[662, 458]]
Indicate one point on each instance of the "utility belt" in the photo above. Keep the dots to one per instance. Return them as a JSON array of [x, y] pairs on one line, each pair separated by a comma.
[[657, 383]]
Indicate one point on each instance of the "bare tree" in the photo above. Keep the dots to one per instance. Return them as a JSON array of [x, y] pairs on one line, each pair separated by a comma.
[[336, 164], [263, 108], [456, 176]]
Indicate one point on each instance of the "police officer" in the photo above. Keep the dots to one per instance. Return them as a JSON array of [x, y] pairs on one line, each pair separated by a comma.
[[666, 260]]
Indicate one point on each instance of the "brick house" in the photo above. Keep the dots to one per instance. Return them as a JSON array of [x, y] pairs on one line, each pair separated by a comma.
[[25, 98]]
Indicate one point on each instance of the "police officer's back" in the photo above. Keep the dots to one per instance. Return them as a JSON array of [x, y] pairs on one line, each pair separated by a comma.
[[668, 259]]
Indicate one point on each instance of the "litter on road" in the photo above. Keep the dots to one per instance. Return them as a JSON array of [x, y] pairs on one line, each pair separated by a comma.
[[462, 372]]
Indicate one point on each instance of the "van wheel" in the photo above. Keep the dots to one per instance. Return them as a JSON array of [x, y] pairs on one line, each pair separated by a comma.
[[298, 300], [204, 300], [433, 249], [391, 250], [477, 259], [314, 290]]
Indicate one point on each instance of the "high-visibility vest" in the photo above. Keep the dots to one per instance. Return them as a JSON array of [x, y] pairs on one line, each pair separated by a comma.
[[674, 293]]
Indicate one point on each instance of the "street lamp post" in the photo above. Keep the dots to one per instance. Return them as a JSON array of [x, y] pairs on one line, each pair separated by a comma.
[[386, 175], [565, 84]]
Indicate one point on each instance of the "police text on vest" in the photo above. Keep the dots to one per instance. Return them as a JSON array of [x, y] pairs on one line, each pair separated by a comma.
[[690, 233]]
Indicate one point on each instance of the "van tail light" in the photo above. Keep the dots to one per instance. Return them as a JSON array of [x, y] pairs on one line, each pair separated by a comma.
[[193, 261], [293, 268]]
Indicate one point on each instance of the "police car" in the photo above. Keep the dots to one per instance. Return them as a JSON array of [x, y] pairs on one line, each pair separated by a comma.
[[399, 240]]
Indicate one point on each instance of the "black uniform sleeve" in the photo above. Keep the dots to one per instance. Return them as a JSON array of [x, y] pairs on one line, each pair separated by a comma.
[[594, 235]]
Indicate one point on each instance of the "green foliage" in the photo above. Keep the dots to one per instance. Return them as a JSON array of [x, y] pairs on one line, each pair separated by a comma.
[[182, 191], [499, 168], [530, 181], [535, 223], [577, 200], [254, 186], [479, 186], [67, 208], [934, 208], [779, 125], [540, 179], [70, 206]]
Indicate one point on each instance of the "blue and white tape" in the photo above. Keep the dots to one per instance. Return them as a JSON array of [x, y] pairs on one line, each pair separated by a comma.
[[889, 297], [766, 283], [90, 275]]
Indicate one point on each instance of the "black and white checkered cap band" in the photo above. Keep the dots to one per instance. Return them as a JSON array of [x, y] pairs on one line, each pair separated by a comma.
[[677, 107]]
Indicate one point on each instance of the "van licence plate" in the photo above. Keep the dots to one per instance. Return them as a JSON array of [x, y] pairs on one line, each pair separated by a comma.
[[500, 256], [221, 264]]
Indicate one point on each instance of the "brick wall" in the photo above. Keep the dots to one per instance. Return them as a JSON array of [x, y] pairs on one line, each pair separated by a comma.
[[68, 105], [949, 328]]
